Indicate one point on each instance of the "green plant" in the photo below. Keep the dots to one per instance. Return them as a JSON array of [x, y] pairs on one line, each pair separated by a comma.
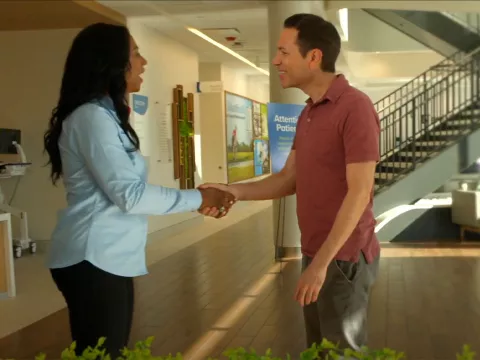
[[324, 351]]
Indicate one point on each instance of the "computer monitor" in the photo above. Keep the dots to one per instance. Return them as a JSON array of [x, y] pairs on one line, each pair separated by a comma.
[[7, 137]]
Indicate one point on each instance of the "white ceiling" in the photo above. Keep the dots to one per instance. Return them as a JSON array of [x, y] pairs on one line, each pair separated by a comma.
[[250, 19], [179, 7], [171, 18]]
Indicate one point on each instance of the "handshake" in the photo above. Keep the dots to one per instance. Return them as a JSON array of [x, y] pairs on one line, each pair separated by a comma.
[[217, 199]]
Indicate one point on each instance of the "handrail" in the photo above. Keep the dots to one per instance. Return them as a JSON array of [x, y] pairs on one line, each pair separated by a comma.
[[414, 126], [446, 60], [427, 114], [462, 61]]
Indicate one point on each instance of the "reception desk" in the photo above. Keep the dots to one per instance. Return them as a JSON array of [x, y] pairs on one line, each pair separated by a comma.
[[7, 270]]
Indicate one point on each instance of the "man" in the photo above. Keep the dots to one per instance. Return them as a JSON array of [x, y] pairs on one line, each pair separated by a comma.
[[331, 169]]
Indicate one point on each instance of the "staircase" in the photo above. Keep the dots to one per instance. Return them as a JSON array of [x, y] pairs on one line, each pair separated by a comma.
[[446, 33], [430, 130]]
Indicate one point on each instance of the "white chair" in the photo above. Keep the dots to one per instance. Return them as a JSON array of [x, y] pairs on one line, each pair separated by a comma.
[[466, 211]]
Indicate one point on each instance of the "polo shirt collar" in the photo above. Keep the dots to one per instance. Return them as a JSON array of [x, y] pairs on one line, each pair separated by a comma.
[[336, 89]]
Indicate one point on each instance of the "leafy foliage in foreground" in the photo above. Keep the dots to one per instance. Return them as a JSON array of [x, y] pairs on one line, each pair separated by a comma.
[[325, 351]]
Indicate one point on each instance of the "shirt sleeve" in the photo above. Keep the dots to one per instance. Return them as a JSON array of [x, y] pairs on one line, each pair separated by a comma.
[[97, 137], [361, 133]]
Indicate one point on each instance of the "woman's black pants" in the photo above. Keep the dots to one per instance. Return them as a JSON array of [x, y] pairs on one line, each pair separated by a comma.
[[100, 304]]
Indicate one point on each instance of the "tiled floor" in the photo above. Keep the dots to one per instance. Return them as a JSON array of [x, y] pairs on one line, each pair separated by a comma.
[[37, 296], [226, 291]]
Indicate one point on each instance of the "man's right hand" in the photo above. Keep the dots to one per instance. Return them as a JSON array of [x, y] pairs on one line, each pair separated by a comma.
[[213, 198], [215, 211]]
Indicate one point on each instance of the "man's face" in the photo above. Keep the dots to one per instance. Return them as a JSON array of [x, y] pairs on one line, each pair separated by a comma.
[[294, 69]]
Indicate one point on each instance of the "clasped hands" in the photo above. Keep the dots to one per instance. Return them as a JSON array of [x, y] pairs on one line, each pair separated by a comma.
[[216, 200]]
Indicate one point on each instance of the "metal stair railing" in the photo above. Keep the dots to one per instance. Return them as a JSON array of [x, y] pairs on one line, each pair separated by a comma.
[[411, 115], [429, 77], [412, 88], [417, 85], [392, 104]]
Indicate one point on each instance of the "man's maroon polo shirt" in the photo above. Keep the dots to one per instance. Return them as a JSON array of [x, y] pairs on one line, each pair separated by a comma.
[[341, 128]]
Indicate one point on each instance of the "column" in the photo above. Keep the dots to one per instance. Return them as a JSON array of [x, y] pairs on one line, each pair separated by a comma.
[[286, 231], [211, 132]]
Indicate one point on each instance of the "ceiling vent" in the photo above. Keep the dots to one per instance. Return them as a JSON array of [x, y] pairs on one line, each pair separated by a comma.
[[237, 45]]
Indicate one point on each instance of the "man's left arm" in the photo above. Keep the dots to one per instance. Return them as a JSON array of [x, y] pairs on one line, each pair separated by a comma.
[[361, 133]]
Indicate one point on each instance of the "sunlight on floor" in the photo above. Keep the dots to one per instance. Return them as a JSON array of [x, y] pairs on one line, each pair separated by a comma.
[[203, 346], [419, 251]]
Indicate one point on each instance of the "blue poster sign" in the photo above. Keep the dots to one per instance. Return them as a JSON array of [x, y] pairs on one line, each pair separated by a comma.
[[261, 157], [282, 126], [140, 104]]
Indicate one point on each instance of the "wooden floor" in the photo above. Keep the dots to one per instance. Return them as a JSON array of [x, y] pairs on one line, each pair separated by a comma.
[[226, 291]]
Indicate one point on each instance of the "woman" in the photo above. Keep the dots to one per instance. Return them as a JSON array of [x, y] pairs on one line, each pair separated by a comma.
[[98, 245]]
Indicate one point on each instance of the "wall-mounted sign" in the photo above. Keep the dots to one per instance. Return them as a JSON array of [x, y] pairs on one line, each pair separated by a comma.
[[140, 104], [209, 86], [282, 126]]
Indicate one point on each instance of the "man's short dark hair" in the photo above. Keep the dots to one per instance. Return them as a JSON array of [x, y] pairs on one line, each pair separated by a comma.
[[315, 32]]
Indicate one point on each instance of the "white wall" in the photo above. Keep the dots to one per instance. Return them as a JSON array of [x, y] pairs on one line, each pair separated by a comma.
[[169, 64], [368, 34], [376, 50], [31, 64], [376, 93], [251, 86], [234, 81], [385, 66], [258, 87]]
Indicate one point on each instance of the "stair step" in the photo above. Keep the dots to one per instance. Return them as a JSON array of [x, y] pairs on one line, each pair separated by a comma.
[[397, 164], [473, 111], [429, 143], [385, 175], [459, 122], [438, 133], [468, 117], [451, 66], [448, 132], [417, 154]]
